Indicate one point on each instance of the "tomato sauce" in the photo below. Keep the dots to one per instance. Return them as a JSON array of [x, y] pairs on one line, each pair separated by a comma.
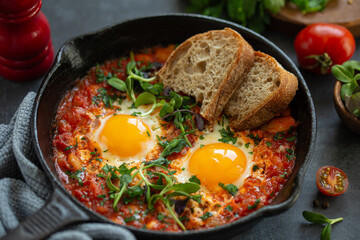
[[273, 154]]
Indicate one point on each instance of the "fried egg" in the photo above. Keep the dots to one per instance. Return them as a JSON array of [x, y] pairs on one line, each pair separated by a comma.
[[214, 162], [125, 137]]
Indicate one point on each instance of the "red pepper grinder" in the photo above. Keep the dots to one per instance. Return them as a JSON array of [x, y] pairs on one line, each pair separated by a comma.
[[26, 51]]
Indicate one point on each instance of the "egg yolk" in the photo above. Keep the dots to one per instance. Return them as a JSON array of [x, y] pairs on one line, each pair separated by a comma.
[[125, 135], [217, 163]]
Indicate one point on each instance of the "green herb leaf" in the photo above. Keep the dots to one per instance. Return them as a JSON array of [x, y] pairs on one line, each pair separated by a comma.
[[194, 179], [129, 219], [326, 232], [175, 146], [197, 198], [347, 89], [352, 103], [231, 188], [342, 73], [257, 201], [206, 216], [255, 167], [75, 175], [117, 83], [189, 187], [315, 217], [308, 6], [229, 208], [156, 88], [145, 98], [227, 136], [274, 5]]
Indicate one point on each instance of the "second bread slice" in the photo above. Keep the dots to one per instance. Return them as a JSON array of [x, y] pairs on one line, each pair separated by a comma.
[[209, 66], [266, 92]]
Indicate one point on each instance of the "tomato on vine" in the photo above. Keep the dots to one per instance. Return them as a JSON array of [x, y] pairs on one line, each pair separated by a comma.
[[319, 46]]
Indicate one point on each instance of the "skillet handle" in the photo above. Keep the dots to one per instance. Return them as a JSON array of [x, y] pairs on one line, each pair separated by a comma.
[[55, 214]]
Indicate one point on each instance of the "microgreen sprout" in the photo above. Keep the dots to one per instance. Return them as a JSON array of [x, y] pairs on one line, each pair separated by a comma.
[[321, 219]]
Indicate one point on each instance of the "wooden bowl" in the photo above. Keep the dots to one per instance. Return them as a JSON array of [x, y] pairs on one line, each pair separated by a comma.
[[349, 119]]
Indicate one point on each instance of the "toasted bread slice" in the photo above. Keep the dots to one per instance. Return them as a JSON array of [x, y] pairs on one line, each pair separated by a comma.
[[209, 66], [266, 92]]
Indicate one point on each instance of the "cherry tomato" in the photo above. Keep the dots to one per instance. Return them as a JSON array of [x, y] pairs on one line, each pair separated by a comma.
[[322, 45], [331, 181]]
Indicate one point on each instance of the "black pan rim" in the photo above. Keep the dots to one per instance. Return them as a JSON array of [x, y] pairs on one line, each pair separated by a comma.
[[264, 211]]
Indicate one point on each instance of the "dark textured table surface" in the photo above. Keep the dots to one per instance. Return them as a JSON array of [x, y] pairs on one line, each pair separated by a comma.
[[335, 144]]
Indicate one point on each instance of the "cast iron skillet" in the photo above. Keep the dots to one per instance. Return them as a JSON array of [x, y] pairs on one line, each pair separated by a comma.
[[78, 55]]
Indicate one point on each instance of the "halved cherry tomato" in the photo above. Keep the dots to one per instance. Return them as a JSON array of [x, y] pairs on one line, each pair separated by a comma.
[[322, 45], [331, 181]]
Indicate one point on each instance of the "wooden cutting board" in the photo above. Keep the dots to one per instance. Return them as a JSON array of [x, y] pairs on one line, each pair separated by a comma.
[[343, 12]]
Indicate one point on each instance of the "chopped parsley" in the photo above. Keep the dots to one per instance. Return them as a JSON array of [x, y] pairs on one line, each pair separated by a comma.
[[197, 198], [75, 175], [206, 216], [201, 137], [290, 157], [278, 136], [227, 136], [255, 138], [254, 205], [290, 139], [194, 179], [290, 151], [160, 217], [231, 188], [268, 144], [129, 219], [229, 208], [255, 167], [247, 145]]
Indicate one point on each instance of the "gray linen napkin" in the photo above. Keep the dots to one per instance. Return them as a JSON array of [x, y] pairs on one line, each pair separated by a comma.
[[24, 187]]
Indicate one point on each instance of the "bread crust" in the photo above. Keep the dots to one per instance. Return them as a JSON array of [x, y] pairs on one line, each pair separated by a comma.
[[235, 76], [274, 104]]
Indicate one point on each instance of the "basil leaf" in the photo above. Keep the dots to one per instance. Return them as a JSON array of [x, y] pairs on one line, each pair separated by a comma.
[[315, 217], [273, 6], [341, 73], [326, 232], [145, 98], [352, 103], [189, 187], [347, 89], [357, 77], [352, 64], [117, 83]]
